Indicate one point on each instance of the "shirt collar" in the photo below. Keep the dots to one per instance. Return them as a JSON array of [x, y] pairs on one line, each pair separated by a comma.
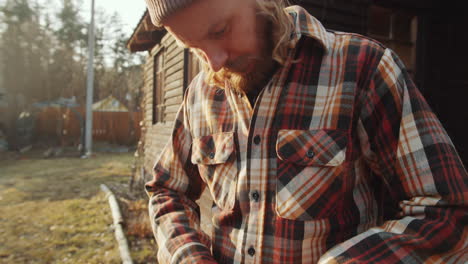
[[307, 25]]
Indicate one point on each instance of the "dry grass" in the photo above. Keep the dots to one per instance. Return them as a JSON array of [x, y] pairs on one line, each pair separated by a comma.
[[138, 219], [53, 212], [139, 232]]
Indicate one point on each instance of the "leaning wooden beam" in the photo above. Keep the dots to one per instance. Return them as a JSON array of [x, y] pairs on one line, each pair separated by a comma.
[[118, 221]]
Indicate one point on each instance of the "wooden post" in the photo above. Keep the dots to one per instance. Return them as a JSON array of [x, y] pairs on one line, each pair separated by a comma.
[[118, 221]]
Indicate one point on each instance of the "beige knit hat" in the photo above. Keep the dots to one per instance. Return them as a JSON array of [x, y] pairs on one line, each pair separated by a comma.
[[161, 9]]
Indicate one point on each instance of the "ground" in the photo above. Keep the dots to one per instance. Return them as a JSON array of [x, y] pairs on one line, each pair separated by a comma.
[[52, 210]]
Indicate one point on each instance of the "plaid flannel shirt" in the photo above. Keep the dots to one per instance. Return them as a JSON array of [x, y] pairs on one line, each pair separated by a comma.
[[340, 160]]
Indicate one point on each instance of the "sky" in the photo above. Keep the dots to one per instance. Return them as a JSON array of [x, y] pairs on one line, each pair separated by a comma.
[[129, 10]]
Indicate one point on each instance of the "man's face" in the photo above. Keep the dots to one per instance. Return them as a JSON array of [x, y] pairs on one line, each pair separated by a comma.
[[231, 37]]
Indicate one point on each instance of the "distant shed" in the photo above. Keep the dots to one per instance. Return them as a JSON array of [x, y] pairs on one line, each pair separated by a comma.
[[109, 104]]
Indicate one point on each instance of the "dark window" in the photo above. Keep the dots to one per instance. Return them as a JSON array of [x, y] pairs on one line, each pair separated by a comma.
[[192, 67], [397, 30], [158, 93], [380, 22]]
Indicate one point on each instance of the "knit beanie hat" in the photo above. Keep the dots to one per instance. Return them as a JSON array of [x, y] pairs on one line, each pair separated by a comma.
[[161, 9]]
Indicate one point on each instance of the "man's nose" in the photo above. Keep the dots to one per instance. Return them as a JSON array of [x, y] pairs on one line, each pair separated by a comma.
[[217, 58]]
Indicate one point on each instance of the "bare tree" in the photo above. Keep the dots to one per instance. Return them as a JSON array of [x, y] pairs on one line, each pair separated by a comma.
[[43, 57]]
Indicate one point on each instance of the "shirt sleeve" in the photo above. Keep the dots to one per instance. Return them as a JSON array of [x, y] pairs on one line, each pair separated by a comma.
[[405, 144], [175, 217]]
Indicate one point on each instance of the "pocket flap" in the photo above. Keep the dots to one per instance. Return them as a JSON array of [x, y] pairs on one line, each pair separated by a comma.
[[312, 147], [213, 149]]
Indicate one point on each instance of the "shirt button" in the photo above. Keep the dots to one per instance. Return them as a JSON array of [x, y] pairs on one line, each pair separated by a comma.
[[310, 153], [212, 155], [257, 140], [256, 196], [251, 251]]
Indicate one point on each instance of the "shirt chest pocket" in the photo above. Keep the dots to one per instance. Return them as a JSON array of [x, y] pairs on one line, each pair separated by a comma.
[[216, 160], [310, 166]]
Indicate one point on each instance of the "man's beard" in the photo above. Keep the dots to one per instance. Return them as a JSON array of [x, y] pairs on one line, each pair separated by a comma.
[[248, 73]]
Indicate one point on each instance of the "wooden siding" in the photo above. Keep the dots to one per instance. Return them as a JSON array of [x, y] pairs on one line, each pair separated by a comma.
[[156, 136]]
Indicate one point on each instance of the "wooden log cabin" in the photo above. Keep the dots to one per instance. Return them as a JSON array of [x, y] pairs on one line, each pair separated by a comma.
[[428, 36]]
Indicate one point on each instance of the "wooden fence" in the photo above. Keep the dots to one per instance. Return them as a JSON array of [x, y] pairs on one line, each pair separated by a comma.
[[66, 125]]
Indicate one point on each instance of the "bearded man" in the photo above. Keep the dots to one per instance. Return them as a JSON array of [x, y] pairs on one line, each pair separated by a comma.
[[315, 146]]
